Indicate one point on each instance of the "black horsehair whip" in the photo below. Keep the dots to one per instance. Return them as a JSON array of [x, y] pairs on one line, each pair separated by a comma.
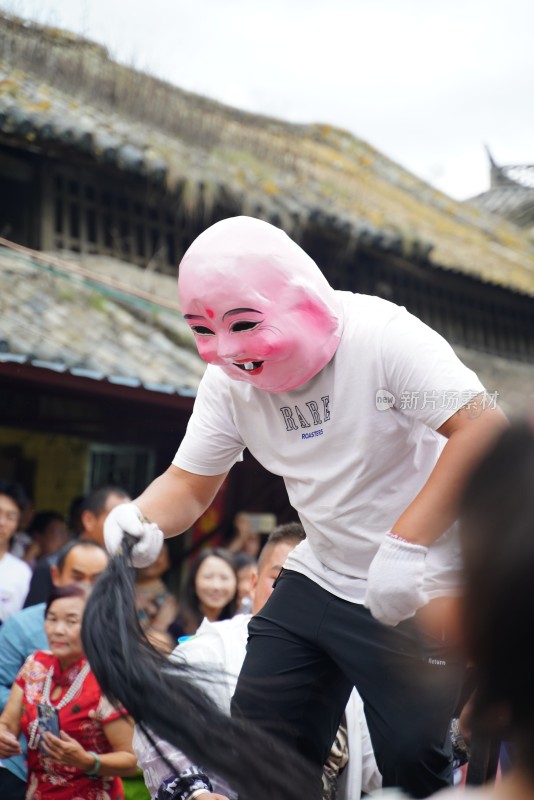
[[164, 699]]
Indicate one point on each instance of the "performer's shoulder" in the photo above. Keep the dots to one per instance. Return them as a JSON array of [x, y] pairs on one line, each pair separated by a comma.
[[367, 315], [353, 302]]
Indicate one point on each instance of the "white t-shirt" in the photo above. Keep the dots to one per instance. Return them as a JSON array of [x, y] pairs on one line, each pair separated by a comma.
[[15, 577], [355, 444]]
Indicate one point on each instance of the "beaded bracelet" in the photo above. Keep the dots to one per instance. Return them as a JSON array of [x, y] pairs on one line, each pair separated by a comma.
[[458, 742], [398, 538], [93, 772]]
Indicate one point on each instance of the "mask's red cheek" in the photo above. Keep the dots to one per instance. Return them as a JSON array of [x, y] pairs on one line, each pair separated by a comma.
[[207, 350], [272, 349], [202, 347]]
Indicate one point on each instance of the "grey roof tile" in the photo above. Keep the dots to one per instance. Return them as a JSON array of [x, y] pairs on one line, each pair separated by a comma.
[[43, 324]]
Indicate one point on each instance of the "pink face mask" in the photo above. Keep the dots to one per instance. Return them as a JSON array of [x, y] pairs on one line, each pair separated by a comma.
[[258, 305]]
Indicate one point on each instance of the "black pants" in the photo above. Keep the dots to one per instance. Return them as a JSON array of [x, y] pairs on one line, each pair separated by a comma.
[[11, 787], [307, 649]]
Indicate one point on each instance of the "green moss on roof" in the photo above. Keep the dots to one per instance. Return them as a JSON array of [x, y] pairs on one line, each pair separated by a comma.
[[207, 153]]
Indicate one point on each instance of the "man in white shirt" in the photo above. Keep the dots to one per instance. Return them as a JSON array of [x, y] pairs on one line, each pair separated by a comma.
[[15, 575], [375, 425]]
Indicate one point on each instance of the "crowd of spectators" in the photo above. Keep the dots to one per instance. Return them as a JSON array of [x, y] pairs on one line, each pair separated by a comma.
[[46, 573], [43, 553]]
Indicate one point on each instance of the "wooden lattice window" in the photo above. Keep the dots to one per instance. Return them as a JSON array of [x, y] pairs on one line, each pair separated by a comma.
[[94, 215], [131, 468]]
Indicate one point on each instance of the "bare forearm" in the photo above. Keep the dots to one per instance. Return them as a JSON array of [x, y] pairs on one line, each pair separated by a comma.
[[12, 713], [437, 505], [176, 499], [9, 743], [10, 726], [122, 764], [71, 753]]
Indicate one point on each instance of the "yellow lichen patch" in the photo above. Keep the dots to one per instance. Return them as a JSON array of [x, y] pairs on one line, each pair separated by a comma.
[[11, 88], [376, 218], [270, 187], [7, 84], [42, 105]]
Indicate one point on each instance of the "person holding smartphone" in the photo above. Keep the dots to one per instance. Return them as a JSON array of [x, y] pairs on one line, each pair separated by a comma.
[[78, 744]]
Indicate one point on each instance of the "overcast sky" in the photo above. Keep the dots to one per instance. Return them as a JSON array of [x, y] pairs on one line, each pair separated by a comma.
[[427, 82]]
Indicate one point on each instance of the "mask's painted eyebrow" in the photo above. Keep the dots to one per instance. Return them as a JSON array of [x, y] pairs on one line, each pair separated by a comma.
[[193, 316], [235, 311]]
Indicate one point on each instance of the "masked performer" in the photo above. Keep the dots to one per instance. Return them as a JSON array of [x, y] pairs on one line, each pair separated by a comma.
[[375, 425]]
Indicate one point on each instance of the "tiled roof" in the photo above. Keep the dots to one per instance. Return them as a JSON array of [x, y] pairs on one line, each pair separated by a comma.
[[507, 201], [511, 194], [55, 316], [57, 91], [510, 198]]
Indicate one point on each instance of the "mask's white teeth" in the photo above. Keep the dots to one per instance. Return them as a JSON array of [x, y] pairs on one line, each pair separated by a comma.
[[249, 365]]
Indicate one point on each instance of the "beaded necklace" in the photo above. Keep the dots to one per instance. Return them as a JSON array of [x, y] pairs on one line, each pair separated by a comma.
[[70, 695]]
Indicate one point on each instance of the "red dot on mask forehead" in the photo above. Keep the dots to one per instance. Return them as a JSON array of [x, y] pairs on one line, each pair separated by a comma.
[[210, 313]]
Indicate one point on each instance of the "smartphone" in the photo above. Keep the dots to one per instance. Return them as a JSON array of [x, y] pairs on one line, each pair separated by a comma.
[[47, 719], [260, 523]]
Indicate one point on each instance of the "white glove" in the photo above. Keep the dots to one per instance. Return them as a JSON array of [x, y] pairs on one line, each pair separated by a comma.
[[128, 518], [395, 580]]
